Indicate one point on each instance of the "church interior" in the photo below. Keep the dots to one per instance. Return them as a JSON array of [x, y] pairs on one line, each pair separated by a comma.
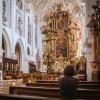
[[39, 38]]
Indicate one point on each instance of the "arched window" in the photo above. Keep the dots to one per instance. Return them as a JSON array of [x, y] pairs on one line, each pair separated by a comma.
[[4, 47], [6, 11], [18, 55], [28, 51], [29, 31]]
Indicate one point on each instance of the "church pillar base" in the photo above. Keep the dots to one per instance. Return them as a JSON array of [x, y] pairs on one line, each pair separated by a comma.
[[95, 71], [1, 55], [96, 76]]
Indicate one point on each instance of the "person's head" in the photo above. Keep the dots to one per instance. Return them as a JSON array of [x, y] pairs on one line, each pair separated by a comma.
[[69, 70]]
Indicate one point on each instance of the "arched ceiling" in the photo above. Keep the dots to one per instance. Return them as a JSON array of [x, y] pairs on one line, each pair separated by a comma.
[[43, 7]]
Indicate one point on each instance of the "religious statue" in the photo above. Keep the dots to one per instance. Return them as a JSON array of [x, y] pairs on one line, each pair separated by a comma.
[[38, 60], [45, 56], [44, 67], [82, 64], [60, 64], [56, 66], [61, 48], [19, 4], [19, 25], [5, 11], [59, 6]]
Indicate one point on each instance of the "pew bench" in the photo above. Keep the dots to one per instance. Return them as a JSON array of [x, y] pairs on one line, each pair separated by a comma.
[[47, 81], [38, 91], [53, 92], [56, 85], [43, 84], [89, 86], [21, 97], [56, 81]]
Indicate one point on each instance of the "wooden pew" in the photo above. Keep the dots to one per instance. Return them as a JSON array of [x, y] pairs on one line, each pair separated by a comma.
[[89, 86], [92, 94], [56, 81], [88, 82], [43, 84], [56, 85], [47, 81], [53, 92], [38, 91], [21, 97]]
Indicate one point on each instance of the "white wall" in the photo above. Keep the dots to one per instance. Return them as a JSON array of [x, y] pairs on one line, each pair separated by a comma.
[[13, 37]]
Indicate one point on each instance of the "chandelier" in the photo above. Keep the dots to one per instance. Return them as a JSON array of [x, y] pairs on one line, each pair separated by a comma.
[[94, 23]]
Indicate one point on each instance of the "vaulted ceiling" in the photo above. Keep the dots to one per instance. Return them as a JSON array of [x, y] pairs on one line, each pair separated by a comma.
[[43, 7]]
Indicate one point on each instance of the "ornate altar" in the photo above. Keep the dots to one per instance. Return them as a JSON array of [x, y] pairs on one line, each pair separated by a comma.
[[59, 39]]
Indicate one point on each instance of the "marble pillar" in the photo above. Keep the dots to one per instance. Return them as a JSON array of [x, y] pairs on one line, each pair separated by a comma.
[[1, 51]]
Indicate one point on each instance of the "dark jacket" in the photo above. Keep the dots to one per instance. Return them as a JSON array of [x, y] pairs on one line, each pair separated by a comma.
[[68, 87]]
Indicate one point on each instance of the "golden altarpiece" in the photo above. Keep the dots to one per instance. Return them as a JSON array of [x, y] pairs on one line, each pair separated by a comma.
[[60, 39]]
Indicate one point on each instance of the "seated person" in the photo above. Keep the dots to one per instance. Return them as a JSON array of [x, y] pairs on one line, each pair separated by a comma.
[[68, 84]]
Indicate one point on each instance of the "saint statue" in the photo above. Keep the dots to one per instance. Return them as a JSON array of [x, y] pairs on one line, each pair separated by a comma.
[[38, 60], [61, 48]]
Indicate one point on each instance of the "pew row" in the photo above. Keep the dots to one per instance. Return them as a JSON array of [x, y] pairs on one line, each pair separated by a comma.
[[22, 97], [56, 81], [56, 85], [53, 92]]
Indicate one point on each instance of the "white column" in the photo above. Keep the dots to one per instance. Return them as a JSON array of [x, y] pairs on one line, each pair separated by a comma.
[[39, 38], [1, 52], [33, 38], [13, 25]]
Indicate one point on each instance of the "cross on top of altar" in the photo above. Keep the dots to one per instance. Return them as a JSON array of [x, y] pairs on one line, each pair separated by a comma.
[[59, 7]]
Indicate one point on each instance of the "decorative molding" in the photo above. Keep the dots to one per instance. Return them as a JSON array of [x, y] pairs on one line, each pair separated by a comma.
[[6, 12], [19, 23], [19, 4]]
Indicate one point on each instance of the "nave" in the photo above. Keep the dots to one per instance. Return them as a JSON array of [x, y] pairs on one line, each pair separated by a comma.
[[39, 38]]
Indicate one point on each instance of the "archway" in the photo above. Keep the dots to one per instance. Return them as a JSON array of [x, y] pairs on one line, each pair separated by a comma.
[[6, 44], [18, 55], [4, 47]]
